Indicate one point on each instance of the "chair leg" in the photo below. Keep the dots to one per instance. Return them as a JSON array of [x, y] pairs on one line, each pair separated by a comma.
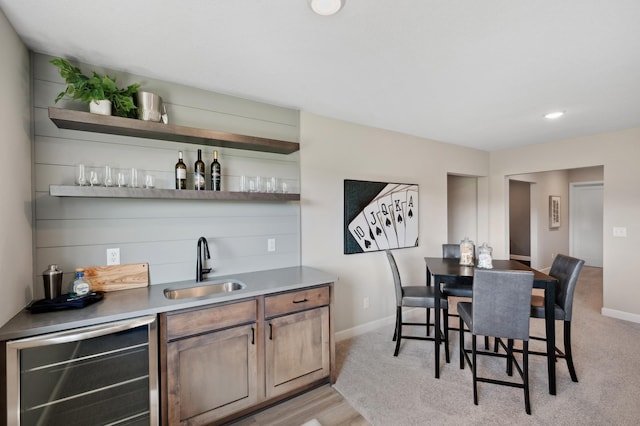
[[567, 350], [461, 351], [510, 357], [474, 363], [525, 368], [428, 320], [395, 330], [398, 329], [446, 335]]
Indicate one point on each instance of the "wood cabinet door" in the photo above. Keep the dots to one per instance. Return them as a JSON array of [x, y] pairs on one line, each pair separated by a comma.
[[297, 350], [212, 375]]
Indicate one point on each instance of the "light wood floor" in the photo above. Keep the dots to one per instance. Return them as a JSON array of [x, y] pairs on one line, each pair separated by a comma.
[[323, 404]]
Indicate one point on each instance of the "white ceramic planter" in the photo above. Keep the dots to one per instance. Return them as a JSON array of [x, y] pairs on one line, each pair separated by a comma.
[[102, 107]]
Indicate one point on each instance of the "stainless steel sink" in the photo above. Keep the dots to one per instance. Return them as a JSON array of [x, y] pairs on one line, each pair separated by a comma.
[[204, 289]]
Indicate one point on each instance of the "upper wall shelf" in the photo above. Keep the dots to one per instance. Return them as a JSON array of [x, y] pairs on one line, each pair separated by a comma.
[[158, 193], [88, 122]]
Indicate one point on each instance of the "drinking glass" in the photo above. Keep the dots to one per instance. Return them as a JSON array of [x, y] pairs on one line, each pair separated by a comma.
[[133, 182], [94, 177], [270, 184], [122, 178], [81, 177], [149, 180], [108, 176], [283, 187]]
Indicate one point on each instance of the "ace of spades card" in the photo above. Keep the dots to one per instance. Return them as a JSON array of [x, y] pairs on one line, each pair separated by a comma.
[[379, 216]]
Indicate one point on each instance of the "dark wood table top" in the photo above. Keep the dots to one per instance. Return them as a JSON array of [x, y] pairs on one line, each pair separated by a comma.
[[442, 267]]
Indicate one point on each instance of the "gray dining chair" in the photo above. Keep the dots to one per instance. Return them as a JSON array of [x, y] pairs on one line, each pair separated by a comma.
[[500, 308], [566, 270], [421, 296], [460, 289]]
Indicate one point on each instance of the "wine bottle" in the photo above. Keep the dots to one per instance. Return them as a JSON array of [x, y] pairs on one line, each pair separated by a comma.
[[181, 173], [216, 173], [198, 173]]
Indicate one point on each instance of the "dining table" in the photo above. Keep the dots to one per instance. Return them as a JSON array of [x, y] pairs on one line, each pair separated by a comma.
[[449, 271]]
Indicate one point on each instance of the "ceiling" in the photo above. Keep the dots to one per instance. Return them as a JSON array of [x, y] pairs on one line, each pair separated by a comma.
[[477, 73]]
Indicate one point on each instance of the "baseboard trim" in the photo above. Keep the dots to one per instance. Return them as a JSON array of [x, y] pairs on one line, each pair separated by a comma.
[[374, 325], [626, 316], [364, 328]]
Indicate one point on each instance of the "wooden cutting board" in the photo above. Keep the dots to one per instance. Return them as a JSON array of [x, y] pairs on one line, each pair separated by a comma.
[[118, 277]]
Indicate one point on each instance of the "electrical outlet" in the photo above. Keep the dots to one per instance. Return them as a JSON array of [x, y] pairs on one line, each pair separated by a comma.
[[271, 244], [365, 303], [113, 256]]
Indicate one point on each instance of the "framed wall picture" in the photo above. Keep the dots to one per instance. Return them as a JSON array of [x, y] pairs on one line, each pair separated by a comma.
[[554, 211], [379, 216]]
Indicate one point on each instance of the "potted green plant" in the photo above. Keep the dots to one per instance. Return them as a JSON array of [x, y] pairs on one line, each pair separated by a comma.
[[96, 89]]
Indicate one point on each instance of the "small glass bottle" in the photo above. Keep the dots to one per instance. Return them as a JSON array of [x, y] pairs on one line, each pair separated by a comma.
[[216, 173], [198, 173], [80, 285], [181, 173], [484, 256], [467, 250]]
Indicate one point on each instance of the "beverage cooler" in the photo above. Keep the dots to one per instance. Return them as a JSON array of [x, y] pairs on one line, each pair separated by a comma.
[[99, 375]]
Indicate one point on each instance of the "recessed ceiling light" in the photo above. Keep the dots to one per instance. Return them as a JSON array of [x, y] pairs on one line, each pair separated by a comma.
[[326, 7], [554, 115]]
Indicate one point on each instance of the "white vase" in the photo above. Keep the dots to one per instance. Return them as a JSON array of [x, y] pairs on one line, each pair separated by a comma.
[[102, 107]]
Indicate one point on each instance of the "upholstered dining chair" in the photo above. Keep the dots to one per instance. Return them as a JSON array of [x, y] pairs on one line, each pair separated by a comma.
[[500, 308], [566, 270], [421, 296], [452, 251]]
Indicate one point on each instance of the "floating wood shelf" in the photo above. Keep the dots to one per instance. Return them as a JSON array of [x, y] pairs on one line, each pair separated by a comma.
[[186, 194], [88, 122]]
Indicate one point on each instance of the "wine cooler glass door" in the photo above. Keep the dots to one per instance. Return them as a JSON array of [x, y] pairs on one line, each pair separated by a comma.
[[105, 374]]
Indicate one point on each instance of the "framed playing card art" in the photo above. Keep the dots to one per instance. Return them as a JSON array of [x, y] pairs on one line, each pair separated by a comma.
[[379, 216]]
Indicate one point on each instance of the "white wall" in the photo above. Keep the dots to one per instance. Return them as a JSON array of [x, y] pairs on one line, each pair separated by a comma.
[[333, 150], [618, 152], [16, 260], [587, 174], [77, 231], [462, 209]]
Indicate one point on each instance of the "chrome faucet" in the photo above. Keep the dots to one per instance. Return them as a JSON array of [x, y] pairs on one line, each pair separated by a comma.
[[200, 272]]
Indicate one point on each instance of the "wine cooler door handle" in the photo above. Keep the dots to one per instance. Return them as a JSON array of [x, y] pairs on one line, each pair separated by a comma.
[[82, 334]]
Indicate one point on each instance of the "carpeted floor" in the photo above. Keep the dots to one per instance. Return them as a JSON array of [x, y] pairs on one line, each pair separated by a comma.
[[402, 390]]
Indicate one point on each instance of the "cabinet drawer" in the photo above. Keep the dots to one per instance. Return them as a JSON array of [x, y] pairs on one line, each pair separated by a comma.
[[208, 319], [296, 301]]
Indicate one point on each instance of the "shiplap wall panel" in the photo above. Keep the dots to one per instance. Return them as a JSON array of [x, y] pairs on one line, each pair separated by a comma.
[[52, 208], [126, 230], [77, 231], [178, 251]]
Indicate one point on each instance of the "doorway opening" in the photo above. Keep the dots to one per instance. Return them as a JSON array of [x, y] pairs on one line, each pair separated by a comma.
[[586, 222]]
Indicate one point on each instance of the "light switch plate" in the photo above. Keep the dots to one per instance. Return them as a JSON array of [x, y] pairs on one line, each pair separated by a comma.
[[619, 231], [271, 244]]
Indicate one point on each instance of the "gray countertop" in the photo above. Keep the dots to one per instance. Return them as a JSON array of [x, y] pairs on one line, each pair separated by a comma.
[[124, 304]]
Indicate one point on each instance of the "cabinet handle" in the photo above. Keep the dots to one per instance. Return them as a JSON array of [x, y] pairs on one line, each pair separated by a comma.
[[270, 331], [301, 301], [253, 336]]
